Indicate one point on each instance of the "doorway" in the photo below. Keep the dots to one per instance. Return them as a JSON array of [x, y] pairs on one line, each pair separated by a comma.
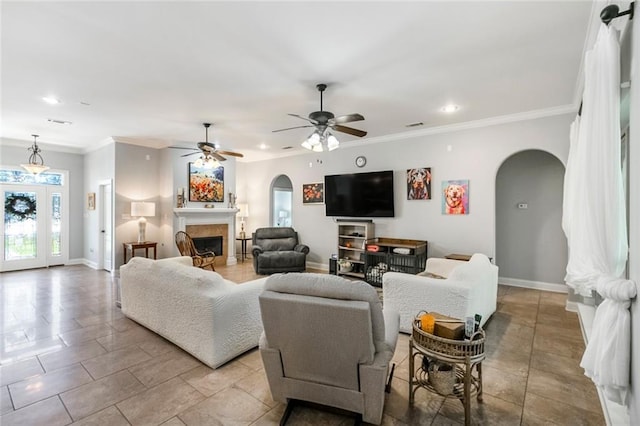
[[530, 243], [105, 208], [281, 202], [35, 220]]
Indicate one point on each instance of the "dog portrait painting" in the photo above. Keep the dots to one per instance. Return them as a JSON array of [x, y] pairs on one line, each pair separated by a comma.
[[455, 197], [419, 184]]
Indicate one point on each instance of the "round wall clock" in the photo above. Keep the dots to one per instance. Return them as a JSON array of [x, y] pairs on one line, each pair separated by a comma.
[[361, 160]]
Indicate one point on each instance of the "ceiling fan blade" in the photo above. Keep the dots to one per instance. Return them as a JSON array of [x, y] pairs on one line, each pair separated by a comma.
[[181, 147], [304, 118], [346, 119], [186, 155], [349, 130], [290, 128], [218, 156], [233, 154]]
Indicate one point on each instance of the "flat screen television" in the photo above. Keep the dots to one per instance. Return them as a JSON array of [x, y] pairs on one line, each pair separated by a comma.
[[359, 194]]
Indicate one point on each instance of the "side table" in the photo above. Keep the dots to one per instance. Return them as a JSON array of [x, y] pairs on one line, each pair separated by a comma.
[[243, 246], [463, 355], [146, 245]]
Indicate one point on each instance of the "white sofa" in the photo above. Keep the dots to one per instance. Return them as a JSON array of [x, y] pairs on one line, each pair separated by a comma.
[[467, 288], [213, 319]]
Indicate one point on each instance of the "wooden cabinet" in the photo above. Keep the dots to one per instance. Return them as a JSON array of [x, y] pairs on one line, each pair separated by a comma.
[[352, 238]]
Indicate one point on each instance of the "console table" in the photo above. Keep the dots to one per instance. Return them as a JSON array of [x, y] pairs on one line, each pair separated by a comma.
[[146, 245]]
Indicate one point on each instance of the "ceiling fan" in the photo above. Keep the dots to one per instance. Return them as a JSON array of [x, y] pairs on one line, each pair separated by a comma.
[[323, 121], [208, 150]]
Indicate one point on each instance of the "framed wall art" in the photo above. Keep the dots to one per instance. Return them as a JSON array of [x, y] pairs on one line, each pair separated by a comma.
[[206, 184], [419, 184], [91, 201], [313, 193], [455, 197]]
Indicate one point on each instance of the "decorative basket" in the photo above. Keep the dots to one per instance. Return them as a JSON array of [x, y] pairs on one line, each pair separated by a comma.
[[473, 348], [345, 266], [442, 376]]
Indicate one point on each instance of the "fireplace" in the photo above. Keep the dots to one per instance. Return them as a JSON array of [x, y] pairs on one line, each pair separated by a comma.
[[210, 222], [214, 244]]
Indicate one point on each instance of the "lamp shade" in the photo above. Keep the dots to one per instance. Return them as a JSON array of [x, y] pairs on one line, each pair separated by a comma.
[[244, 210], [142, 208]]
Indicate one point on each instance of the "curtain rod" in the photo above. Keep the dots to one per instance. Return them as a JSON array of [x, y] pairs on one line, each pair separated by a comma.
[[607, 15], [612, 12]]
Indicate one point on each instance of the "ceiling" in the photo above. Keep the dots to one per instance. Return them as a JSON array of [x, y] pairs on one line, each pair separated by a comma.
[[150, 73]]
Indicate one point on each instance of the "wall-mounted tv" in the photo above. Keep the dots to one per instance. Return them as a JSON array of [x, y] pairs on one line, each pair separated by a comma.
[[359, 194]]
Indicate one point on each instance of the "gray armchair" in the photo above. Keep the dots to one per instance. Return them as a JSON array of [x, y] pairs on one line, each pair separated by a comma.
[[326, 340], [278, 250]]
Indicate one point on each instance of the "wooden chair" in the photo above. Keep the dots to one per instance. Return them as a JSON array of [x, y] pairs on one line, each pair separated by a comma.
[[187, 248]]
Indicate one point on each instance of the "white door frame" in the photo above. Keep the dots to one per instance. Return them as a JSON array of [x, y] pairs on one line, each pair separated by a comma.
[[102, 214]]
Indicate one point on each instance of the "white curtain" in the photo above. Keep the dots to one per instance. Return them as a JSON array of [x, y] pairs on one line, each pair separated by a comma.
[[594, 218]]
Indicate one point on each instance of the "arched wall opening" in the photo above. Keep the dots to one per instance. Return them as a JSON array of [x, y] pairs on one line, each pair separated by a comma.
[[281, 202], [531, 248]]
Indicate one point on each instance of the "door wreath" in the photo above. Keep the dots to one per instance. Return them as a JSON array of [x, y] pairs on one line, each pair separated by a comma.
[[19, 207]]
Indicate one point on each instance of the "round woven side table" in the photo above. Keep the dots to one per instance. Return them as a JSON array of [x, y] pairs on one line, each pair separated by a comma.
[[465, 358]]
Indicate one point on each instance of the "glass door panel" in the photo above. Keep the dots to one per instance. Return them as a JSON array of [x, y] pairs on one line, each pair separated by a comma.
[[56, 225], [20, 225], [24, 227]]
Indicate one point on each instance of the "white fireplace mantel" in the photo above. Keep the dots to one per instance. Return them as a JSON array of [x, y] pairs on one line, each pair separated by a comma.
[[207, 216]]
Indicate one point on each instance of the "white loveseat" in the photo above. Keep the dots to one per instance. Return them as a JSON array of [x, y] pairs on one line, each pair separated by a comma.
[[467, 288], [213, 319]]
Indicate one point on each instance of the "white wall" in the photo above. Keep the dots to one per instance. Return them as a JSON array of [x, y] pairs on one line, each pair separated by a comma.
[[11, 155], [474, 154]]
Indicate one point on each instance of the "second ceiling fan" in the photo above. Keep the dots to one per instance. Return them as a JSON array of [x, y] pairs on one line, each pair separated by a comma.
[[323, 121]]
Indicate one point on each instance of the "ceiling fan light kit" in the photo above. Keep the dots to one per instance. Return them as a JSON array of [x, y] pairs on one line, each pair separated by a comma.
[[323, 121]]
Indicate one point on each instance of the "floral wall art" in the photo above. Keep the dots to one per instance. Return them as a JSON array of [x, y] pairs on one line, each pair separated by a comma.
[[206, 184], [313, 193]]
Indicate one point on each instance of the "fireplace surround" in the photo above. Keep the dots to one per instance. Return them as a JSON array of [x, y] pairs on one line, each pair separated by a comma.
[[191, 219]]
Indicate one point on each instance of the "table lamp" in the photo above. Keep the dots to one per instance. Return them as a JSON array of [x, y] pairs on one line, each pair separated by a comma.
[[142, 209], [243, 213]]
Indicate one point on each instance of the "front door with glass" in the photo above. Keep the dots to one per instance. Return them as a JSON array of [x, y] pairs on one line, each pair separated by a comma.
[[33, 233]]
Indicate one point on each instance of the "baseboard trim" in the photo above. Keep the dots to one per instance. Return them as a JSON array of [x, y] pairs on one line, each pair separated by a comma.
[[90, 264], [316, 265], [537, 285], [76, 262]]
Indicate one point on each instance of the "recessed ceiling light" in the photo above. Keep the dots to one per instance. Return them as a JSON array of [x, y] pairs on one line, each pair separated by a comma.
[[450, 108], [263, 146], [51, 100]]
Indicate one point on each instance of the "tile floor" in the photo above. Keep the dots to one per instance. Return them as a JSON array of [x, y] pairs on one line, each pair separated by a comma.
[[68, 355]]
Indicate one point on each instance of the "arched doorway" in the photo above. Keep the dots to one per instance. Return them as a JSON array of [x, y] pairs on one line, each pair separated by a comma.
[[281, 202], [530, 243]]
